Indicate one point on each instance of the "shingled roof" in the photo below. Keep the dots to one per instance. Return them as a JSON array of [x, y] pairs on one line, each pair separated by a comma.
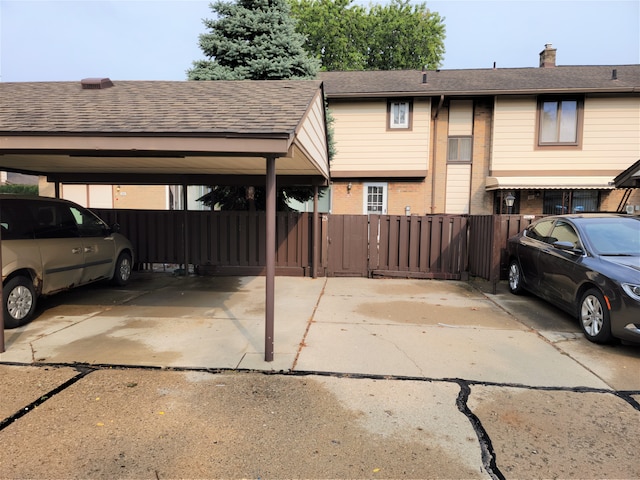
[[101, 131], [206, 108], [583, 79]]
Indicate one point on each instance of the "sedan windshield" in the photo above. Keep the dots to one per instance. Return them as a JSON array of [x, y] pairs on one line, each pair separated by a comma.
[[613, 236]]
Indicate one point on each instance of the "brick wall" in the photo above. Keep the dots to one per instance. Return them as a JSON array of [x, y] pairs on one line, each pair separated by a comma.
[[481, 201]]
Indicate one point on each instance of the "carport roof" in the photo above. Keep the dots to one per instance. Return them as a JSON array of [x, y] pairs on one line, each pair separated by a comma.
[[161, 129], [630, 178]]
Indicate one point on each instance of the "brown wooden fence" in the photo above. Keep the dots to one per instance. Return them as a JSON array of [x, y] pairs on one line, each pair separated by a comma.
[[223, 243], [233, 243], [432, 246]]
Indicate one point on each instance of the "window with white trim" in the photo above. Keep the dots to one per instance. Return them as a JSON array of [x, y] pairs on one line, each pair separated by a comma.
[[399, 114], [375, 198]]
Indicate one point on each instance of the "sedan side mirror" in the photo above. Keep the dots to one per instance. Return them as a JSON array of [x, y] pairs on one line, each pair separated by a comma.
[[567, 246]]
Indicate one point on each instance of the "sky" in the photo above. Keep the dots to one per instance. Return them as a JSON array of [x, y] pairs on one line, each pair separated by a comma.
[[68, 40]]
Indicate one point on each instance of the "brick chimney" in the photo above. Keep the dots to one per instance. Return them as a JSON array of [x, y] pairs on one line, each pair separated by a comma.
[[548, 56]]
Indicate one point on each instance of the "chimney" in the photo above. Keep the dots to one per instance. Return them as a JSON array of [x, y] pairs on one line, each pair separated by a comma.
[[95, 83], [548, 56]]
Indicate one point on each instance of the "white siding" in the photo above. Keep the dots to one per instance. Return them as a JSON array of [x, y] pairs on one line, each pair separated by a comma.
[[610, 141], [458, 188], [312, 136], [100, 196], [91, 196], [75, 193], [363, 142]]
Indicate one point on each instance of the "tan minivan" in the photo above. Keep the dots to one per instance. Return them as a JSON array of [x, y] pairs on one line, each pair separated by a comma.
[[50, 245]]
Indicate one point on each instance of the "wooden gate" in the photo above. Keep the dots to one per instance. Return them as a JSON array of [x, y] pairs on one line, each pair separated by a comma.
[[348, 246], [432, 246]]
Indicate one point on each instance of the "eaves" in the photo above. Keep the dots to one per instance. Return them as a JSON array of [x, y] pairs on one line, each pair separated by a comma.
[[481, 93]]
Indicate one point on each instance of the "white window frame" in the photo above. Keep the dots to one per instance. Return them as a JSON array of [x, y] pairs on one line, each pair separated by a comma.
[[365, 198], [396, 121]]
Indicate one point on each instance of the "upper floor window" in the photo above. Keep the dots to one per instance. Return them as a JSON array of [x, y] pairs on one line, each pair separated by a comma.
[[560, 121], [399, 114], [459, 149]]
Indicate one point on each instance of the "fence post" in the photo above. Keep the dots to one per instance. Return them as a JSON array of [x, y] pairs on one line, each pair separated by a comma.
[[496, 237]]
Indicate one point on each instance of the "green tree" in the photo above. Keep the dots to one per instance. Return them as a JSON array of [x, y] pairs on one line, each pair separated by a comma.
[[405, 36], [335, 31], [253, 40], [391, 36]]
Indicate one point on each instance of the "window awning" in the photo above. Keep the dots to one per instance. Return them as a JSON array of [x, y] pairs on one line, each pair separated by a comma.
[[560, 182]]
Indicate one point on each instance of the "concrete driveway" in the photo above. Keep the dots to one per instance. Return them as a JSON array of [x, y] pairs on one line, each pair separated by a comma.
[[371, 378], [415, 328]]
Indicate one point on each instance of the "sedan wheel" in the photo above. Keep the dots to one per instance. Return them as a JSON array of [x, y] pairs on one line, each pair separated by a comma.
[[515, 277], [594, 317]]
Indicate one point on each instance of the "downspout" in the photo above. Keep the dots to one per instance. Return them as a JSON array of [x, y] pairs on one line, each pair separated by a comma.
[[434, 152]]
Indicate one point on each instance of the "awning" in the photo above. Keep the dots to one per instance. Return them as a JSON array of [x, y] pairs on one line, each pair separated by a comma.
[[533, 183]]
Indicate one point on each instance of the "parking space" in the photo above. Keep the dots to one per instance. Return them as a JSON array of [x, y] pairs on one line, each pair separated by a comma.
[[421, 328]]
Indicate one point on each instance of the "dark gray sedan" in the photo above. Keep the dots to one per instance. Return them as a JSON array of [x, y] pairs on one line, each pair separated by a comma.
[[586, 264]]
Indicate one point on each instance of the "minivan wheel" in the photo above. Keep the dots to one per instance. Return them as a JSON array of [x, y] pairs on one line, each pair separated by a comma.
[[594, 317], [515, 277], [19, 301], [122, 272]]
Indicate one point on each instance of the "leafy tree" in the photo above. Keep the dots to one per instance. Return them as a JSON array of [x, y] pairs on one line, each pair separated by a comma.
[[253, 40], [405, 36], [392, 36], [336, 32]]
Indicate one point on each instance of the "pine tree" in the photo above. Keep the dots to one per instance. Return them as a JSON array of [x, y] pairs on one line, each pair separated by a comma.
[[253, 40]]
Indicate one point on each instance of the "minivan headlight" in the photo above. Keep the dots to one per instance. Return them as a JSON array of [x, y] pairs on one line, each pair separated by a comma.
[[632, 290]]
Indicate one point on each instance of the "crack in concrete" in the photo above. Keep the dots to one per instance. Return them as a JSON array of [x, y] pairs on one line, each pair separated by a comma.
[[486, 447]]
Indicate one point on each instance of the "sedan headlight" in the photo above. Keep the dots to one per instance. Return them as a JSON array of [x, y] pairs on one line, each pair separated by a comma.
[[632, 290]]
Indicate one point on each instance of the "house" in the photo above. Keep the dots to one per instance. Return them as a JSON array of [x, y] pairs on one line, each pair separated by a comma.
[[542, 140]]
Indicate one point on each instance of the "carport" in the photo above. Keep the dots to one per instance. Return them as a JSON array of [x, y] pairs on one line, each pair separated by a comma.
[[98, 131]]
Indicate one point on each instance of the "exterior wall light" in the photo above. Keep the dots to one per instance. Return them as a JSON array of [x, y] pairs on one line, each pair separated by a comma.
[[509, 199]]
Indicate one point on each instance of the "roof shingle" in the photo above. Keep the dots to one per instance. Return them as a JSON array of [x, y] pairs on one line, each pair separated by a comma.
[[482, 81], [156, 107]]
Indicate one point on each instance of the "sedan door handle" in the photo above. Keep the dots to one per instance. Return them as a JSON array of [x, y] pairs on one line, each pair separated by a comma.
[[88, 249], [76, 250]]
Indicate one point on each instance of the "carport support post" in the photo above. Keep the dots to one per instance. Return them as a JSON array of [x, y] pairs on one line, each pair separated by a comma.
[[1, 311], [314, 241], [270, 213]]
